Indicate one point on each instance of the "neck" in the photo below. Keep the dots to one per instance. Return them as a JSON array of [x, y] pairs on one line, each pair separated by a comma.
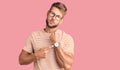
[[50, 30]]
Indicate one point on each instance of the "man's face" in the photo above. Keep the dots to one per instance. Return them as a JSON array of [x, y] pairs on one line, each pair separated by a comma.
[[54, 17]]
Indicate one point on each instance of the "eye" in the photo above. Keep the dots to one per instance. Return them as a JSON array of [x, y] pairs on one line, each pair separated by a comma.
[[51, 13], [58, 17]]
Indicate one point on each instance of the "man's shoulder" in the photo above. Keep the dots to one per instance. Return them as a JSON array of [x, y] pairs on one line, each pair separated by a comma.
[[36, 33], [65, 34]]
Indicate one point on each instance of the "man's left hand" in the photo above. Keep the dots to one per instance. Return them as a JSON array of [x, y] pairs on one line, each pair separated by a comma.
[[55, 37]]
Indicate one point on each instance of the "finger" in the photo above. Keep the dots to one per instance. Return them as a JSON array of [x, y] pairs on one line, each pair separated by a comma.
[[55, 31], [50, 47], [46, 51], [46, 48], [45, 55], [53, 34]]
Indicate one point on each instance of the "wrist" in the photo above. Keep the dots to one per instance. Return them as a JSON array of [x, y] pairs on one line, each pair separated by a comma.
[[56, 44], [36, 55]]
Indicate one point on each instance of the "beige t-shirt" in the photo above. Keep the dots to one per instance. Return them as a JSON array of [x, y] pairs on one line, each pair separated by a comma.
[[40, 39]]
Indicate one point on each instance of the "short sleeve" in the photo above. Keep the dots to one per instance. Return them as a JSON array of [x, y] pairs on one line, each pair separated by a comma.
[[68, 44], [28, 45]]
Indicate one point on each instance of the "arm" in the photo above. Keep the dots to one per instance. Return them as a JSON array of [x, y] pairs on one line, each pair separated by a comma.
[[26, 58], [64, 54], [65, 59]]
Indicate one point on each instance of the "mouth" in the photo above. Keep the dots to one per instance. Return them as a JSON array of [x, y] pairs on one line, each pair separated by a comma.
[[52, 22]]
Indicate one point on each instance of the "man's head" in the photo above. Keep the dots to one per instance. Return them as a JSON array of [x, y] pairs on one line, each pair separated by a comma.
[[55, 14]]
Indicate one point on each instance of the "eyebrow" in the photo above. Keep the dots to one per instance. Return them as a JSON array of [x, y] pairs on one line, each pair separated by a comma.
[[55, 13]]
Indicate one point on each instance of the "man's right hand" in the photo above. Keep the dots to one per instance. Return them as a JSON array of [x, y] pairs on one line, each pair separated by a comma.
[[42, 52]]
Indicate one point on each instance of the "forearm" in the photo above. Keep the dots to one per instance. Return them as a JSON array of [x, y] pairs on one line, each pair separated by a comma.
[[64, 59]]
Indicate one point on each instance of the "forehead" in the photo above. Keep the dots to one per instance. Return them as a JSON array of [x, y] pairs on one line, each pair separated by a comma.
[[56, 11]]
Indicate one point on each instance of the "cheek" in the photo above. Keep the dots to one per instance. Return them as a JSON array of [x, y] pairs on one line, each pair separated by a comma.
[[56, 22], [48, 18]]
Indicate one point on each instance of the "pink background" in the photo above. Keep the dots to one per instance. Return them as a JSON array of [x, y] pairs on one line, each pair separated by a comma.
[[94, 25]]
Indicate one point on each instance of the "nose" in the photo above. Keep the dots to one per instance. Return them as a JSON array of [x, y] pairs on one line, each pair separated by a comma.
[[53, 17]]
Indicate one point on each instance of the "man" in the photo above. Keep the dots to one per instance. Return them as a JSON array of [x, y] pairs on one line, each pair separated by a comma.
[[49, 48]]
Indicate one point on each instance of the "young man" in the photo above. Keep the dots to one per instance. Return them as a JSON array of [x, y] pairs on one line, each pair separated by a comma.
[[49, 48]]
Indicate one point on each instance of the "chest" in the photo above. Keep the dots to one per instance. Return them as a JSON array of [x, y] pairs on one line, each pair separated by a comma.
[[40, 41]]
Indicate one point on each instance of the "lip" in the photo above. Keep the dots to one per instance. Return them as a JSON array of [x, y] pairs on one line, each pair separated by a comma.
[[52, 22]]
